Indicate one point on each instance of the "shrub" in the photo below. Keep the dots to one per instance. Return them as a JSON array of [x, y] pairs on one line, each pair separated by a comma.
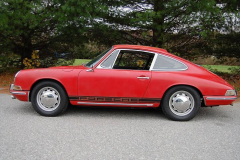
[[34, 62], [63, 62]]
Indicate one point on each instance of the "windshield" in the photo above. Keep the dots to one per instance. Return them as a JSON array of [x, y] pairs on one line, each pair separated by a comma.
[[97, 59]]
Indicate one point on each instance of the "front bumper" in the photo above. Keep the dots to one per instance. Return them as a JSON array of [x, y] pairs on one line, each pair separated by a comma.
[[19, 94], [219, 100]]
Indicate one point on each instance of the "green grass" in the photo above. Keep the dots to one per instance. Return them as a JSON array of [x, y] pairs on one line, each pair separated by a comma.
[[80, 61], [220, 68]]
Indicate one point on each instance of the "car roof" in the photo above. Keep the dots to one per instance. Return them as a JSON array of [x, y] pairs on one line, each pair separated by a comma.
[[150, 49], [147, 48]]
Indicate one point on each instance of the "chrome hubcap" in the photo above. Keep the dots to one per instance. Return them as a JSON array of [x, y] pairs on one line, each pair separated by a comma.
[[181, 103], [48, 99]]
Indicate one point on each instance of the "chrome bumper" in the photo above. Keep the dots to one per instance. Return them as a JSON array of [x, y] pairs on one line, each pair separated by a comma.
[[15, 92], [221, 98], [10, 87], [18, 94], [218, 100]]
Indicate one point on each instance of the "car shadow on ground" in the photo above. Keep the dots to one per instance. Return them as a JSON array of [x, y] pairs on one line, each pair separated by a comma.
[[83, 111], [114, 112], [205, 113]]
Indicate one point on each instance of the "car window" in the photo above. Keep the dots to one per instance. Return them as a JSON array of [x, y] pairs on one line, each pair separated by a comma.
[[167, 63], [97, 59], [108, 63], [136, 60]]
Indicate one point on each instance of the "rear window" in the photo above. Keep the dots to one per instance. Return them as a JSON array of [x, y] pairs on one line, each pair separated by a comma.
[[167, 63]]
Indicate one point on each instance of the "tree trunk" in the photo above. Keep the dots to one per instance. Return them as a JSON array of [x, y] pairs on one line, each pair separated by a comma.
[[158, 21], [25, 53], [26, 50]]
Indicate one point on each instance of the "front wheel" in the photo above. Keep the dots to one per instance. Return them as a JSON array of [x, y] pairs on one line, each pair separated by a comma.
[[181, 103], [49, 98]]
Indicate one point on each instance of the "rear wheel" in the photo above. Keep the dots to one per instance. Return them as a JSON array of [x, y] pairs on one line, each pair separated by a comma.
[[181, 103], [49, 98]]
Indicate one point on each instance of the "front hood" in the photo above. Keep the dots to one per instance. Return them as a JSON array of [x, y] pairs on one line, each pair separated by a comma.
[[51, 69], [67, 75], [68, 67]]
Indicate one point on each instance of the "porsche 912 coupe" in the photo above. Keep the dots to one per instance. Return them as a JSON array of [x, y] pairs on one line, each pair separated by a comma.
[[125, 76]]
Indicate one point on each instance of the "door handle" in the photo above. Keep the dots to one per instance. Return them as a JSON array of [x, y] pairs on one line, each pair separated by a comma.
[[143, 78]]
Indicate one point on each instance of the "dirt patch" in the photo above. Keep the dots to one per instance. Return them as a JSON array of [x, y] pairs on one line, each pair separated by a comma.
[[4, 91], [5, 80], [238, 100]]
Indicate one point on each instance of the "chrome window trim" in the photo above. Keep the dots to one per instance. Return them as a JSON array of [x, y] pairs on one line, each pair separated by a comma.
[[153, 61], [115, 58], [164, 70], [119, 50], [116, 104], [100, 65], [169, 69]]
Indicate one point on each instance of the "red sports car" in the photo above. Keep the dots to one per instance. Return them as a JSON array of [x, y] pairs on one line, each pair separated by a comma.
[[125, 76]]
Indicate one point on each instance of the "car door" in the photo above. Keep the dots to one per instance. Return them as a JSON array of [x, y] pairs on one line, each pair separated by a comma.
[[123, 73]]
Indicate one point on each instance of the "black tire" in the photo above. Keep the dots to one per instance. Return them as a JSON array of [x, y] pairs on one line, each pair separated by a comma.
[[181, 103], [49, 99]]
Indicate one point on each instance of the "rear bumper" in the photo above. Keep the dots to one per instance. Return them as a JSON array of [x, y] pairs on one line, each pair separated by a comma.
[[19, 94], [219, 100]]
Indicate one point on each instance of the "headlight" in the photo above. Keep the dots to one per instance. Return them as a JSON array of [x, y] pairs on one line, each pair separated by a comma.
[[15, 76], [231, 93]]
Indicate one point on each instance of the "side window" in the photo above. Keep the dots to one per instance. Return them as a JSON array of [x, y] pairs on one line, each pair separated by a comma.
[[167, 63], [136, 60], [108, 63]]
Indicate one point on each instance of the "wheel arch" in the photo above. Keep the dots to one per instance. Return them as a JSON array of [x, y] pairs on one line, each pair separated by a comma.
[[195, 88], [42, 80]]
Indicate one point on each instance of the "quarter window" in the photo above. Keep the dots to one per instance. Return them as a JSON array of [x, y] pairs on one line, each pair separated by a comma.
[[167, 63], [108, 63]]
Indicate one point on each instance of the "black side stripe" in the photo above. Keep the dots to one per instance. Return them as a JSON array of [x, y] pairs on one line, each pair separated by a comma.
[[114, 99]]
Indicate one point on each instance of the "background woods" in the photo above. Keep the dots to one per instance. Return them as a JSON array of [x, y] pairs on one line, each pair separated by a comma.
[[83, 28]]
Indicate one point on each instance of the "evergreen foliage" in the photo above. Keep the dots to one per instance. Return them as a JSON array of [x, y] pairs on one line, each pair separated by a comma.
[[183, 27]]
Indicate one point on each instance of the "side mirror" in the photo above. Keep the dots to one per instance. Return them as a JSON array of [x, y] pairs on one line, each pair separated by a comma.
[[89, 70]]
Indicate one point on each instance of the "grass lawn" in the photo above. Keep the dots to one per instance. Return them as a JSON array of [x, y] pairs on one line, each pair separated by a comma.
[[220, 68], [80, 61]]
